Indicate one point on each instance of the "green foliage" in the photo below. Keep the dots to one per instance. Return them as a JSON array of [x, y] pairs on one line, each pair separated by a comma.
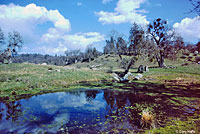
[[177, 126]]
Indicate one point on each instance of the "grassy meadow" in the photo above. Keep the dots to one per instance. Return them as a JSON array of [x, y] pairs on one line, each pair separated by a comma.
[[30, 79], [177, 88]]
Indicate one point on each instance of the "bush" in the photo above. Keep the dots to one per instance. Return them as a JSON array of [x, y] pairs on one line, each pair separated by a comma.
[[183, 57]]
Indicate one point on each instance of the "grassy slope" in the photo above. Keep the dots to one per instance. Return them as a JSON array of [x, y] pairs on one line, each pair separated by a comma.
[[36, 79]]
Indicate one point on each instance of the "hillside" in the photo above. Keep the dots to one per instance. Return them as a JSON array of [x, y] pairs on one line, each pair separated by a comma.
[[112, 62]]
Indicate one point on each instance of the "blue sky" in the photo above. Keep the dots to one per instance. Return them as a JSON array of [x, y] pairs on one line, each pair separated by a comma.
[[54, 26]]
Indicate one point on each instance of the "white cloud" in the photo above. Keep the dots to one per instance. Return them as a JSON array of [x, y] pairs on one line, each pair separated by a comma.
[[53, 39], [53, 50], [79, 4], [28, 20], [82, 40], [68, 41], [106, 1], [33, 14], [189, 29], [126, 11]]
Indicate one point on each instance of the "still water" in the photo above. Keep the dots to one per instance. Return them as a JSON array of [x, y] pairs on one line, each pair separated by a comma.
[[83, 111]]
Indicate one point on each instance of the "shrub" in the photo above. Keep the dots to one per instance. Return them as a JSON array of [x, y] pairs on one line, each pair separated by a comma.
[[147, 119], [183, 57]]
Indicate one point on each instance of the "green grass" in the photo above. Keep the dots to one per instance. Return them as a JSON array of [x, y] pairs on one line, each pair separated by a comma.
[[177, 126], [178, 86], [36, 79]]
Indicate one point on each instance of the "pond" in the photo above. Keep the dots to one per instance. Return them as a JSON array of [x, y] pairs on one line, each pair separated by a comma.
[[83, 111]]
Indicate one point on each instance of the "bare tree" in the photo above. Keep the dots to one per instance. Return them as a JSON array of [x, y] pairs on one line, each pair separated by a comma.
[[15, 42], [2, 42], [73, 55], [2, 39], [162, 37], [196, 6]]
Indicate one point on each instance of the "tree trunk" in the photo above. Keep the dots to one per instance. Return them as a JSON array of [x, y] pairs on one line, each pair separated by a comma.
[[161, 62], [160, 59], [120, 56], [129, 66], [9, 60]]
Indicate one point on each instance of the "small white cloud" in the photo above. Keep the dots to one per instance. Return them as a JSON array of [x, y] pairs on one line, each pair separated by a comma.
[[189, 29], [79, 4], [126, 11], [106, 1]]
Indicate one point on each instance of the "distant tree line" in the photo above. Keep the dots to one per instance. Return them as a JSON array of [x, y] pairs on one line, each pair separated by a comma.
[[70, 57], [88, 55], [39, 59]]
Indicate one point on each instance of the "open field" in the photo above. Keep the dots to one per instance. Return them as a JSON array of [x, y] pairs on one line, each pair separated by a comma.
[[30, 79], [171, 95]]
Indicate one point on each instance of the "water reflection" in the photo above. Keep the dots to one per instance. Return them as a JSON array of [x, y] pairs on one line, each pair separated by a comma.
[[83, 111]]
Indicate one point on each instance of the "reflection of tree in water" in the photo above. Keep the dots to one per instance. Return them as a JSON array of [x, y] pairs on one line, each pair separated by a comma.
[[13, 110], [126, 107], [1, 112], [91, 94], [118, 113], [75, 93]]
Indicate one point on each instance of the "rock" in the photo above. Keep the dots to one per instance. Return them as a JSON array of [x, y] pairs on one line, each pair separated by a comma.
[[141, 69], [125, 78], [146, 68], [196, 52], [44, 64], [95, 66], [122, 79], [50, 68], [57, 70], [138, 76], [18, 79], [116, 77]]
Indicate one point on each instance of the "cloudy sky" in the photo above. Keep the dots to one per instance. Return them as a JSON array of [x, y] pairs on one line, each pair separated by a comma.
[[54, 26]]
